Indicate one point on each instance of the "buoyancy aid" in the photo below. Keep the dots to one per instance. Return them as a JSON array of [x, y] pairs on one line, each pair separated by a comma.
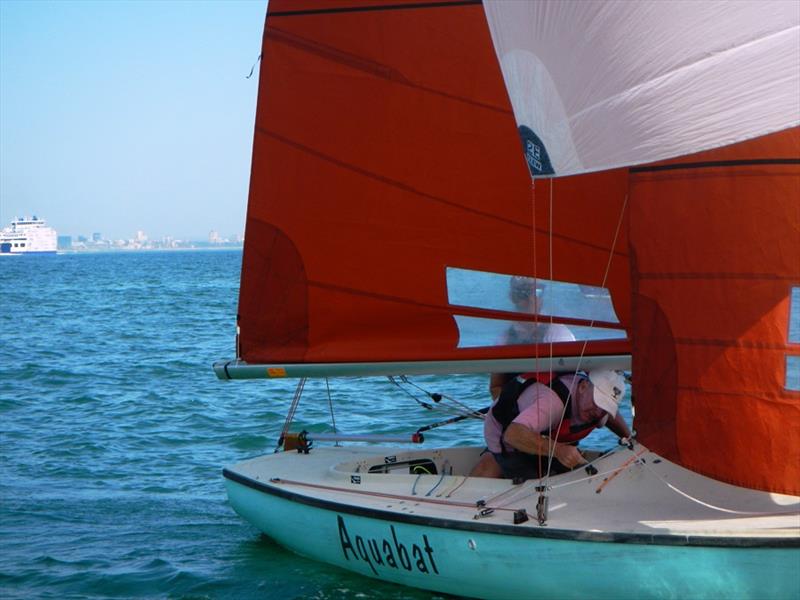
[[570, 432], [506, 409]]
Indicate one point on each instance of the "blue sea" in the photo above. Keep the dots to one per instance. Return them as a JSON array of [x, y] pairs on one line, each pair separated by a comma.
[[114, 430]]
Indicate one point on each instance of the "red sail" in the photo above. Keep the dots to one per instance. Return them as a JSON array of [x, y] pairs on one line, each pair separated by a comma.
[[385, 152], [715, 240]]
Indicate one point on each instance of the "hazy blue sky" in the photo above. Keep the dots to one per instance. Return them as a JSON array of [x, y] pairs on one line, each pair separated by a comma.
[[124, 115]]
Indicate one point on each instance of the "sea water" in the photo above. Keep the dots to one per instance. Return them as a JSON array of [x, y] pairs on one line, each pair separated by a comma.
[[114, 430]]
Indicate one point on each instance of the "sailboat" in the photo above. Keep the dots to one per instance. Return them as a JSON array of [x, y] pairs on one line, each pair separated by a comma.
[[641, 162]]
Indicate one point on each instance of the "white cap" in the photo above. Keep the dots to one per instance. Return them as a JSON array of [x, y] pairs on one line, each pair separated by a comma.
[[609, 389]]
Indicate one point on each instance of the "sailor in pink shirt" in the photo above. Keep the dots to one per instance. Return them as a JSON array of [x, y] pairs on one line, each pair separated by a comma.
[[545, 412], [543, 424]]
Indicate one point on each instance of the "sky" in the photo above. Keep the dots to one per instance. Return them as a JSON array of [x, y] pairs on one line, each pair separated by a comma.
[[119, 116]]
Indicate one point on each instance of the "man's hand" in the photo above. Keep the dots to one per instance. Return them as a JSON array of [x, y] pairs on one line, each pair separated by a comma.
[[568, 455]]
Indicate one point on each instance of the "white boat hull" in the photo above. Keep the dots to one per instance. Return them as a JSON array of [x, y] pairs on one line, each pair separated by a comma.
[[28, 236], [399, 528]]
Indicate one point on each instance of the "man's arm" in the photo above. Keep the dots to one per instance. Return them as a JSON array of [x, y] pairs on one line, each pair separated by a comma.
[[619, 426], [525, 440]]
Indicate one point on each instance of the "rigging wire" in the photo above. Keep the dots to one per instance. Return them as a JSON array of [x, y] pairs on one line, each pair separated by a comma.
[[459, 409], [535, 285], [551, 444], [417, 400], [436, 397]]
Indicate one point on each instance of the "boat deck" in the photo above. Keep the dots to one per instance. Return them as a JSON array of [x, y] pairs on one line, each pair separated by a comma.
[[635, 496]]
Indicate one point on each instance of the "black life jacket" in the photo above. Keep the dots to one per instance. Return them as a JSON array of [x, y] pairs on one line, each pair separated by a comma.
[[506, 409]]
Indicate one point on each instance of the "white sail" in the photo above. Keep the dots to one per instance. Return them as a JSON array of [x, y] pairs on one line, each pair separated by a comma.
[[599, 85]]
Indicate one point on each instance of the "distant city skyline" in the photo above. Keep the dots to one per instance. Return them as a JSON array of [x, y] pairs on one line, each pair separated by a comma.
[[125, 116], [141, 241], [138, 234]]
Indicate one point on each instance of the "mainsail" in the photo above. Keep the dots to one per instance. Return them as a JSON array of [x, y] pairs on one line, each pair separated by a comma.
[[384, 156]]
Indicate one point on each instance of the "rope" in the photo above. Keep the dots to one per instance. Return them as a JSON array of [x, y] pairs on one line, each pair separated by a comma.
[[605, 275], [455, 489], [331, 488], [330, 404], [253, 68], [611, 472], [441, 478], [560, 485], [552, 447], [292, 409], [712, 506], [619, 470], [414, 487]]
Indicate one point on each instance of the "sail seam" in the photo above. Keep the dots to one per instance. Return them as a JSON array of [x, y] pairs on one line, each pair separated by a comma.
[[373, 8], [717, 164], [385, 180], [370, 67], [407, 188], [735, 342], [717, 275]]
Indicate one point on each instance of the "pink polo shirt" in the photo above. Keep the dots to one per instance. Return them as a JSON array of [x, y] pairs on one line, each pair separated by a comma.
[[540, 410]]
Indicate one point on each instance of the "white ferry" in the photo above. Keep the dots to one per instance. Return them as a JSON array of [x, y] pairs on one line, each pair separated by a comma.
[[28, 236]]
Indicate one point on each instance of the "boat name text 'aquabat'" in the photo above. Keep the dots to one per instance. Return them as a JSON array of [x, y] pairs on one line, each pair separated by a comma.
[[382, 552]]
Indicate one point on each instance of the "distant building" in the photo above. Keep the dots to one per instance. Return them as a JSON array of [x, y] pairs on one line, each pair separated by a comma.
[[96, 237], [65, 242], [141, 237], [213, 238]]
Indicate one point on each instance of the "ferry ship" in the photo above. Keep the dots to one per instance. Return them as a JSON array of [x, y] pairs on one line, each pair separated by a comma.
[[28, 236]]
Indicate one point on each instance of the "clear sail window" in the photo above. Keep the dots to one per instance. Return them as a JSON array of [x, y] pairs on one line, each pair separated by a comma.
[[516, 294], [498, 291], [793, 373], [792, 361], [475, 332], [794, 316]]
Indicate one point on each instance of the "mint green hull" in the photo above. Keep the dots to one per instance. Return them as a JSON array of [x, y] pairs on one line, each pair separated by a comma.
[[458, 561]]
